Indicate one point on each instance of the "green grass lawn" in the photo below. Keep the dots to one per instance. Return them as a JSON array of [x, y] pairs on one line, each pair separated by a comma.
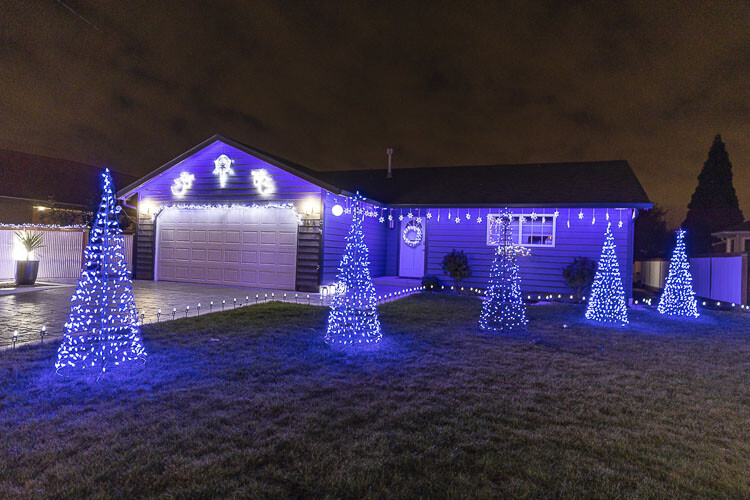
[[659, 408]]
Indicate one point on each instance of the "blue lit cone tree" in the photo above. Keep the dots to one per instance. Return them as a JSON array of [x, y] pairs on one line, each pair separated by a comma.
[[607, 298], [353, 315], [503, 309], [678, 298], [102, 330]]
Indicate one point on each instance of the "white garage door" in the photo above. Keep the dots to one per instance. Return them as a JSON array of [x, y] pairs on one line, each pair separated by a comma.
[[247, 247]]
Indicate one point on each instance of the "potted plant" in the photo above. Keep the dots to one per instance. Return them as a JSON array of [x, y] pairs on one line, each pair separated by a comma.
[[26, 270]]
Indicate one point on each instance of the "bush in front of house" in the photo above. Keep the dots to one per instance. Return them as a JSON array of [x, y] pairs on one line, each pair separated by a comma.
[[456, 265], [431, 283], [579, 275]]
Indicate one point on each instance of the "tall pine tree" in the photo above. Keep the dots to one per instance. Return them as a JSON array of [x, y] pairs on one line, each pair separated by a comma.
[[714, 205], [102, 330], [607, 297], [353, 315], [678, 298]]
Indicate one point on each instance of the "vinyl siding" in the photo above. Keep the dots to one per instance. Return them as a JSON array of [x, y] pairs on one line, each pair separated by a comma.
[[335, 230], [542, 270]]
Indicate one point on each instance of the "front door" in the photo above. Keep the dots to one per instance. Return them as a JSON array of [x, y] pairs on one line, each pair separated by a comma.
[[411, 248]]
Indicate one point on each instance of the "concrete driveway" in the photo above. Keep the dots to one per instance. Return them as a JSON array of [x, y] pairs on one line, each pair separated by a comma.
[[27, 310]]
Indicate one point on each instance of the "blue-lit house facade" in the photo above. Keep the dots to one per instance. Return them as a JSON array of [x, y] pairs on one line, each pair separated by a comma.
[[228, 214]]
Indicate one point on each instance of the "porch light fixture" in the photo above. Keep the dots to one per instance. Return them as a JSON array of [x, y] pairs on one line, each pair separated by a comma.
[[337, 210]]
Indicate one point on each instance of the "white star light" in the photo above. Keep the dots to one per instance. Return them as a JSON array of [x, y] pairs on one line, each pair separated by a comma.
[[381, 220], [457, 220], [523, 219], [347, 210], [479, 219], [401, 217], [429, 215], [557, 213], [410, 215], [534, 215], [390, 217], [619, 224], [580, 215], [419, 219], [468, 216]]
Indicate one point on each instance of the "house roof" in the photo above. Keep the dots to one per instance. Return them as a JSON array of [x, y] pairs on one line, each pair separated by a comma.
[[742, 227], [41, 178], [600, 183], [577, 184]]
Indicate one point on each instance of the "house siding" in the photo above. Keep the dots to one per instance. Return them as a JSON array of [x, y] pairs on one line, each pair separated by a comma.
[[541, 272], [335, 230]]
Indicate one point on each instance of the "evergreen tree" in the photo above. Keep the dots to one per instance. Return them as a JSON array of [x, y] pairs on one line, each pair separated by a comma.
[[102, 329], [503, 309], [714, 205], [678, 298], [607, 298], [353, 315]]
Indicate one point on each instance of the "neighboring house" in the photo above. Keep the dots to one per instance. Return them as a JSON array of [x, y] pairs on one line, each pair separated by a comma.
[[187, 231], [42, 190], [733, 239]]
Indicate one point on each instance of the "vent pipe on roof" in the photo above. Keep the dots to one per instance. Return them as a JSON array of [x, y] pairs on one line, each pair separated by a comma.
[[389, 151]]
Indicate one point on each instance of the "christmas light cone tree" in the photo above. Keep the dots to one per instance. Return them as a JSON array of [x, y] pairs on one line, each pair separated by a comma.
[[503, 309], [102, 330], [353, 315], [678, 298], [607, 298]]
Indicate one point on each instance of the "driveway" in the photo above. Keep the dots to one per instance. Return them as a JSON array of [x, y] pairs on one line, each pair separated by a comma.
[[28, 310]]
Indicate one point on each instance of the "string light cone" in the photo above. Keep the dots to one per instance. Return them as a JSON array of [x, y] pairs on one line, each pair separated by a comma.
[[102, 329], [607, 299], [503, 310], [678, 298], [353, 314]]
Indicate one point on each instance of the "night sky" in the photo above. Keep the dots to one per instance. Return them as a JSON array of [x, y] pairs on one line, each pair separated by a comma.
[[330, 85]]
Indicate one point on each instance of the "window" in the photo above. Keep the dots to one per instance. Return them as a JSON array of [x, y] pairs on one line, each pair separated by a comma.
[[747, 245], [526, 230]]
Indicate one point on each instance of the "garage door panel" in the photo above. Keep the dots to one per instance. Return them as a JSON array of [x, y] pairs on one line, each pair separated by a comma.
[[214, 255], [254, 247]]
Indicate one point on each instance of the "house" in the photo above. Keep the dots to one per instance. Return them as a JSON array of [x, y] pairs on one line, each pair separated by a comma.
[[227, 213], [733, 239], [38, 189]]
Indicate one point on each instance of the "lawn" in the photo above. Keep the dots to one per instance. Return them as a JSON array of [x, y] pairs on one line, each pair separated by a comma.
[[251, 402]]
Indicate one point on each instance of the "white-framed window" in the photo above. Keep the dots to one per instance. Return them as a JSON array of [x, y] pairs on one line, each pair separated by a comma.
[[525, 230]]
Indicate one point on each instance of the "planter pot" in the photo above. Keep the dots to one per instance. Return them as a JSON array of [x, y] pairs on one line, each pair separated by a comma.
[[26, 271]]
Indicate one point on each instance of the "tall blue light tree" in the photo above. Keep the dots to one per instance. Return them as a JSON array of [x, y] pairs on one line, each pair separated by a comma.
[[607, 298], [678, 298], [353, 315], [102, 330], [503, 309]]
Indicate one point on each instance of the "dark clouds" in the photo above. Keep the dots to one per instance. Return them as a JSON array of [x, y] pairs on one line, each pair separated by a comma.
[[332, 84]]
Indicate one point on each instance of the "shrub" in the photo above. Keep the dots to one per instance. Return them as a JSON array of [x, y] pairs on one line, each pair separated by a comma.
[[579, 275], [431, 283], [456, 265]]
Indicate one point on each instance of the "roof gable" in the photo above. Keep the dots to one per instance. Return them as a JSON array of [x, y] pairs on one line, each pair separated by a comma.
[[199, 161]]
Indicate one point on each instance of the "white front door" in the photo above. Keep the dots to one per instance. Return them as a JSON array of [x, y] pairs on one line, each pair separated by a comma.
[[411, 248], [232, 246]]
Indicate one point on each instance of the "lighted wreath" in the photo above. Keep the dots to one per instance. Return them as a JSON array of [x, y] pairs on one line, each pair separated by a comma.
[[412, 233]]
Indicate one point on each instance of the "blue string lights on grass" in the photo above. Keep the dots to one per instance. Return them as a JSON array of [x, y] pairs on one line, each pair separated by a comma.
[[503, 310], [102, 330], [678, 298], [607, 301], [353, 314]]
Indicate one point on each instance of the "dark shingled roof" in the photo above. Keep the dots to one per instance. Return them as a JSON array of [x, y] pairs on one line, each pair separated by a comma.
[[737, 228], [601, 183], [24, 175]]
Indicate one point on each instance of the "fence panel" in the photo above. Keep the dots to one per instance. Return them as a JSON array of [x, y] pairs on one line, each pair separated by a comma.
[[720, 277]]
